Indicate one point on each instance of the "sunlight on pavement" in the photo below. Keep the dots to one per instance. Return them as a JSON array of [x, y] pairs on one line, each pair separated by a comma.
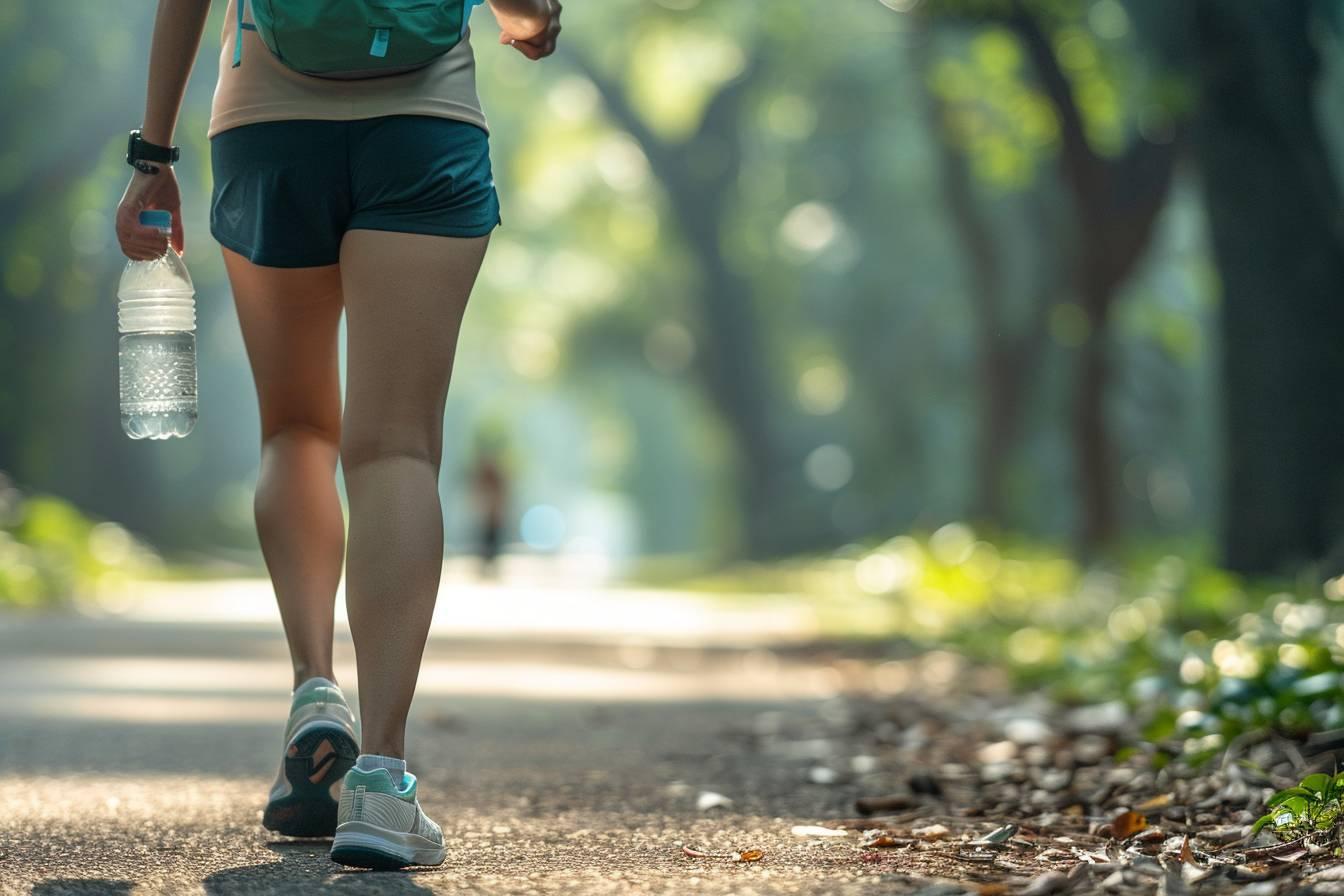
[[532, 601], [183, 690]]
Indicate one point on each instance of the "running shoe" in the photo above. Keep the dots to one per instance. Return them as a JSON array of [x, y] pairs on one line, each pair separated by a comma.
[[321, 745], [382, 826]]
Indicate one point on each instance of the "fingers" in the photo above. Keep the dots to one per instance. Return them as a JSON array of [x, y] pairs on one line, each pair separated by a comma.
[[139, 242], [527, 49], [143, 243], [540, 46], [179, 235]]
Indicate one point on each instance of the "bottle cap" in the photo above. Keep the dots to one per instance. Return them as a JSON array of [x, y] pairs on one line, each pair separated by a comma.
[[157, 217]]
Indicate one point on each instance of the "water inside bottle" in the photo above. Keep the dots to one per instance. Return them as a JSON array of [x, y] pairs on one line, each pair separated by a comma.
[[158, 384]]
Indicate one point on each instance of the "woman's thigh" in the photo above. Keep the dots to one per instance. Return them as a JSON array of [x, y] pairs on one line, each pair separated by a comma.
[[405, 295], [290, 318]]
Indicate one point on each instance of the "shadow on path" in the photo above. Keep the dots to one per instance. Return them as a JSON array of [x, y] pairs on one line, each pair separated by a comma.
[[77, 886], [305, 868]]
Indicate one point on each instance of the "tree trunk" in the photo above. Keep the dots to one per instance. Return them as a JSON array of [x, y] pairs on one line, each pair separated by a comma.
[[1092, 451], [1116, 202], [1277, 223]]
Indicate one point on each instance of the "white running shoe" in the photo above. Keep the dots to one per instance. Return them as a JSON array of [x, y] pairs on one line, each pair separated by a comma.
[[382, 826], [321, 745]]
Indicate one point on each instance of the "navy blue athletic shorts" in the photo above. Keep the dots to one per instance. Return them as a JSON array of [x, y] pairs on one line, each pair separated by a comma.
[[286, 191]]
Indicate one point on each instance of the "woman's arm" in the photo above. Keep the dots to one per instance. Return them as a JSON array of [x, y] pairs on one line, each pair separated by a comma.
[[177, 36], [530, 26]]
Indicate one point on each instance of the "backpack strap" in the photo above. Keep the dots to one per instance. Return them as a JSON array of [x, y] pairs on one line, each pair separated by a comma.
[[238, 39]]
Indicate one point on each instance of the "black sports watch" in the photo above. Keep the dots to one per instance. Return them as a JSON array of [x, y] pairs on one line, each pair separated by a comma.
[[140, 152]]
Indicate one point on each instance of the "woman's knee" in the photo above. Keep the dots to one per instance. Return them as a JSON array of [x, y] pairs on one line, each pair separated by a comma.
[[305, 429], [363, 443]]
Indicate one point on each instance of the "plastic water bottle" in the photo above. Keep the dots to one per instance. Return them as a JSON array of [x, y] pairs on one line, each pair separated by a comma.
[[156, 316]]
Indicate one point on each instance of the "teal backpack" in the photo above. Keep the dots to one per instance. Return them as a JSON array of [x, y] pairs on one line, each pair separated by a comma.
[[350, 39]]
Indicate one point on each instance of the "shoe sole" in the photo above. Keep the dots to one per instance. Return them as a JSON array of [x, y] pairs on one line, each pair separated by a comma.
[[363, 845], [314, 761]]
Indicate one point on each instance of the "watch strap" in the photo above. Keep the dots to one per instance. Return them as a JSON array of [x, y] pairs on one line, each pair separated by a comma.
[[140, 148]]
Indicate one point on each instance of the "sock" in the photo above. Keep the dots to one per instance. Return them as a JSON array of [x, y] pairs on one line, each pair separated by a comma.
[[367, 762], [314, 682]]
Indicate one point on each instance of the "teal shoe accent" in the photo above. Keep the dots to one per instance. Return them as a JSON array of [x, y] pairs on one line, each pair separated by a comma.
[[379, 780]]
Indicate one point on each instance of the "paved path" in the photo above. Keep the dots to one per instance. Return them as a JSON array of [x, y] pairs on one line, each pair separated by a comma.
[[135, 752]]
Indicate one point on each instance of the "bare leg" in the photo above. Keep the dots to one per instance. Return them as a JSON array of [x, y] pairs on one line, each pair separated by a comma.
[[405, 295], [290, 319]]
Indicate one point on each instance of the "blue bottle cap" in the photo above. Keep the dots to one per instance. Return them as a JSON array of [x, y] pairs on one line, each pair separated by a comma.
[[157, 217]]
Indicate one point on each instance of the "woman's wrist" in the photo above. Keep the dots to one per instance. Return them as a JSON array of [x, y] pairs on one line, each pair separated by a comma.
[[157, 135]]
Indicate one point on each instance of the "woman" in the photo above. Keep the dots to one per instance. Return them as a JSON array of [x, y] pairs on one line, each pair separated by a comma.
[[372, 196]]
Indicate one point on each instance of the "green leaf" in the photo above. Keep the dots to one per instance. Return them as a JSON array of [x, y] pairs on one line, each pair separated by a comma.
[[1284, 795], [1295, 805], [1261, 822], [1316, 783]]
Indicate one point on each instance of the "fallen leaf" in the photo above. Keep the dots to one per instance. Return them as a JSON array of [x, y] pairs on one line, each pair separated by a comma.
[[1127, 824], [883, 840], [696, 853], [999, 835], [1278, 851], [1161, 801], [812, 830], [746, 855], [932, 832], [1225, 835]]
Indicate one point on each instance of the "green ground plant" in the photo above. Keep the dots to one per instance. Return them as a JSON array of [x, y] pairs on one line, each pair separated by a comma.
[[1314, 805]]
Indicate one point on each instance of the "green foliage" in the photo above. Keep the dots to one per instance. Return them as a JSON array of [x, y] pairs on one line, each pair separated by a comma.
[[53, 555], [1199, 655], [1314, 805], [993, 101]]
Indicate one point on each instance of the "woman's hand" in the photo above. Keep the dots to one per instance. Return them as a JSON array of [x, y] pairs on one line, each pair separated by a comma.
[[532, 32], [145, 191]]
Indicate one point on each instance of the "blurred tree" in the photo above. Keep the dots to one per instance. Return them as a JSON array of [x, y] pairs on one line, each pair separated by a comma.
[[1008, 357], [1117, 181], [1277, 218], [699, 175]]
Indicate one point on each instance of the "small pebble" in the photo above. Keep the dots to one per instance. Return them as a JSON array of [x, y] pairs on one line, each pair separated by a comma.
[[820, 774], [863, 765], [1027, 731], [708, 799]]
